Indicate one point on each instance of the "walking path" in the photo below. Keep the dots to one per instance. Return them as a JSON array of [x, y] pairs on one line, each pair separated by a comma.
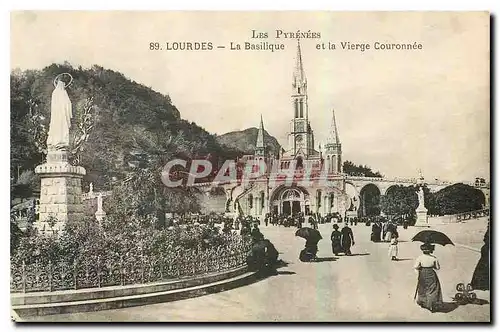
[[367, 286]]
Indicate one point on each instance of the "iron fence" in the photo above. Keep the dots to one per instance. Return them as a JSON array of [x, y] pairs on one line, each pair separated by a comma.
[[97, 273], [472, 215]]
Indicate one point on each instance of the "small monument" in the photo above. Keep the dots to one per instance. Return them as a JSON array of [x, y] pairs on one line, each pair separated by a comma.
[[100, 214], [61, 191], [421, 210]]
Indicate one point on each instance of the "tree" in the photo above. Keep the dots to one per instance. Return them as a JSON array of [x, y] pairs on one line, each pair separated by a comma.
[[399, 200], [358, 170], [458, 198]]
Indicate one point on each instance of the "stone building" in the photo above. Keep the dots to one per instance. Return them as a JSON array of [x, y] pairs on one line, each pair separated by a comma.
[[325, 193]]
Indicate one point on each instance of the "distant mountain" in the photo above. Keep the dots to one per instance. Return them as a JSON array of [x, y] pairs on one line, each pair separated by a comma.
[[244, 140]]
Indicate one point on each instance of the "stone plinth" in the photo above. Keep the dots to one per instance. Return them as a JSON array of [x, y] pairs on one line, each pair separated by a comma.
[[422, 220], [61, 192]]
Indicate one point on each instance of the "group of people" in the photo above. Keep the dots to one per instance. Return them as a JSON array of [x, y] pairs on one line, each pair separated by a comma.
[[264, 256], [299, 219], [342, 240]]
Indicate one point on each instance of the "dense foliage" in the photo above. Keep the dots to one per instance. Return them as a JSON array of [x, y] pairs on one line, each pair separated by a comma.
[[458, 198], [399, 200], [359, 170], [131, 124], [115, 239]]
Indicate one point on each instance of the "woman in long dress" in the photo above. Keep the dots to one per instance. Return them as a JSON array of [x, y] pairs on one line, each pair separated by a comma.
[[481, 277], [336, 238], [428, 292]]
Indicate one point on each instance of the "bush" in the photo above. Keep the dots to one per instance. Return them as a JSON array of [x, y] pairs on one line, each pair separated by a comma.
[[87, 240]]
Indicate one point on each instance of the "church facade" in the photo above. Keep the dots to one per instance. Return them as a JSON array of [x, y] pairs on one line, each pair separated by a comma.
[[306, 179], [325, 189]]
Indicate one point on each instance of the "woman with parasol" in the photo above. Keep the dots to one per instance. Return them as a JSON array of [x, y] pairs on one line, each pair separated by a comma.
[[428, 293], [312, 237]]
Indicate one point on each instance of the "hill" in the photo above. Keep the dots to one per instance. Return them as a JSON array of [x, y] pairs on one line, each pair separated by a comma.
[[117, 124], [245, 140]]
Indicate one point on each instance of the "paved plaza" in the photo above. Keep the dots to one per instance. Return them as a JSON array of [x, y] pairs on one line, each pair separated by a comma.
[[367, 286]]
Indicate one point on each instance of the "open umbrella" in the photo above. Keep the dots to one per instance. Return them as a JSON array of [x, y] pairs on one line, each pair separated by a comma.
[[309, 234], [431, 236]]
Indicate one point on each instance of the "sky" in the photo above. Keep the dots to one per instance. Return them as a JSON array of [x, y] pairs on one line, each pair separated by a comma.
[[397, 111]]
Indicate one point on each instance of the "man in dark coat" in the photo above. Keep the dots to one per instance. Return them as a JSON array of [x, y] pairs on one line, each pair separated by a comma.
[[347, 239], [376, 229], [481, 276]]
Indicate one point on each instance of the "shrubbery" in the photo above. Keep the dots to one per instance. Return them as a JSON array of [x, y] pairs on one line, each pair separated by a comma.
[[112, 241]]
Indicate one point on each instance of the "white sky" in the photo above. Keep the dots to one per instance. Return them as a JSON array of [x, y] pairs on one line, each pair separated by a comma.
[[396, 111]]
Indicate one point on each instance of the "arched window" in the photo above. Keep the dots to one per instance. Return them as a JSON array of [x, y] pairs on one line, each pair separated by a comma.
[[301, 108], [296, 108]]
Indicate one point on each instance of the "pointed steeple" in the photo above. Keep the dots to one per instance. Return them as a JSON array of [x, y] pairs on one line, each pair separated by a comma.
[[299, 77], [260, 134], [259, 146], [333, 137]]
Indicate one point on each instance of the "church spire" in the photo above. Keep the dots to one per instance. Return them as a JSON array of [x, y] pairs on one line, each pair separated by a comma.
[[299, 77], [333, 137], [259, 146]]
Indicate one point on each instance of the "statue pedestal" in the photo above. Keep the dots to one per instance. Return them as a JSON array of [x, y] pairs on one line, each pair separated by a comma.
[[61, 192], [422, 220], [100, 215]]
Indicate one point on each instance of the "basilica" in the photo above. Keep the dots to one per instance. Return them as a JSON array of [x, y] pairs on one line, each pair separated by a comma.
[[277, 196]]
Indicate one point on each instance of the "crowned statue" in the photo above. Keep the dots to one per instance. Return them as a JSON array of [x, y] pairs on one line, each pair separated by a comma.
[[60, 117]]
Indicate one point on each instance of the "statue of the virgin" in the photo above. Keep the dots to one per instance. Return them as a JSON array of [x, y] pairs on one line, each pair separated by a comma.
[[60, 117]]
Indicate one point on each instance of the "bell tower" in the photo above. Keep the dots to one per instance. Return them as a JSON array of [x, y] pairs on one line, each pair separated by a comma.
[[300, 137], [333, 149]]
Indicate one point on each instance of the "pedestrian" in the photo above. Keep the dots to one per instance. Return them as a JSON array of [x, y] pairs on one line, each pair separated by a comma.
[[481, 277], [428, 293], [310, 251], [388, 232], [375, 236], [347, 239], [393, 248], [336, 238], [314, 222], [256, 234]]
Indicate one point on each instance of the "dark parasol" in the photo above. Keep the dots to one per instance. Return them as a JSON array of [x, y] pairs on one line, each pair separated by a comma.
[[309, 233], [431, 236]]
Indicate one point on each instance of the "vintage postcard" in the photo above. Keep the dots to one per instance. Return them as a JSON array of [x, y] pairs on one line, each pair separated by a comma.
[[288, 166]]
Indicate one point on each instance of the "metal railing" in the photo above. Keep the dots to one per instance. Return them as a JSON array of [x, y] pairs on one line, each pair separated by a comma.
[[97, 273], [471, 215]]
